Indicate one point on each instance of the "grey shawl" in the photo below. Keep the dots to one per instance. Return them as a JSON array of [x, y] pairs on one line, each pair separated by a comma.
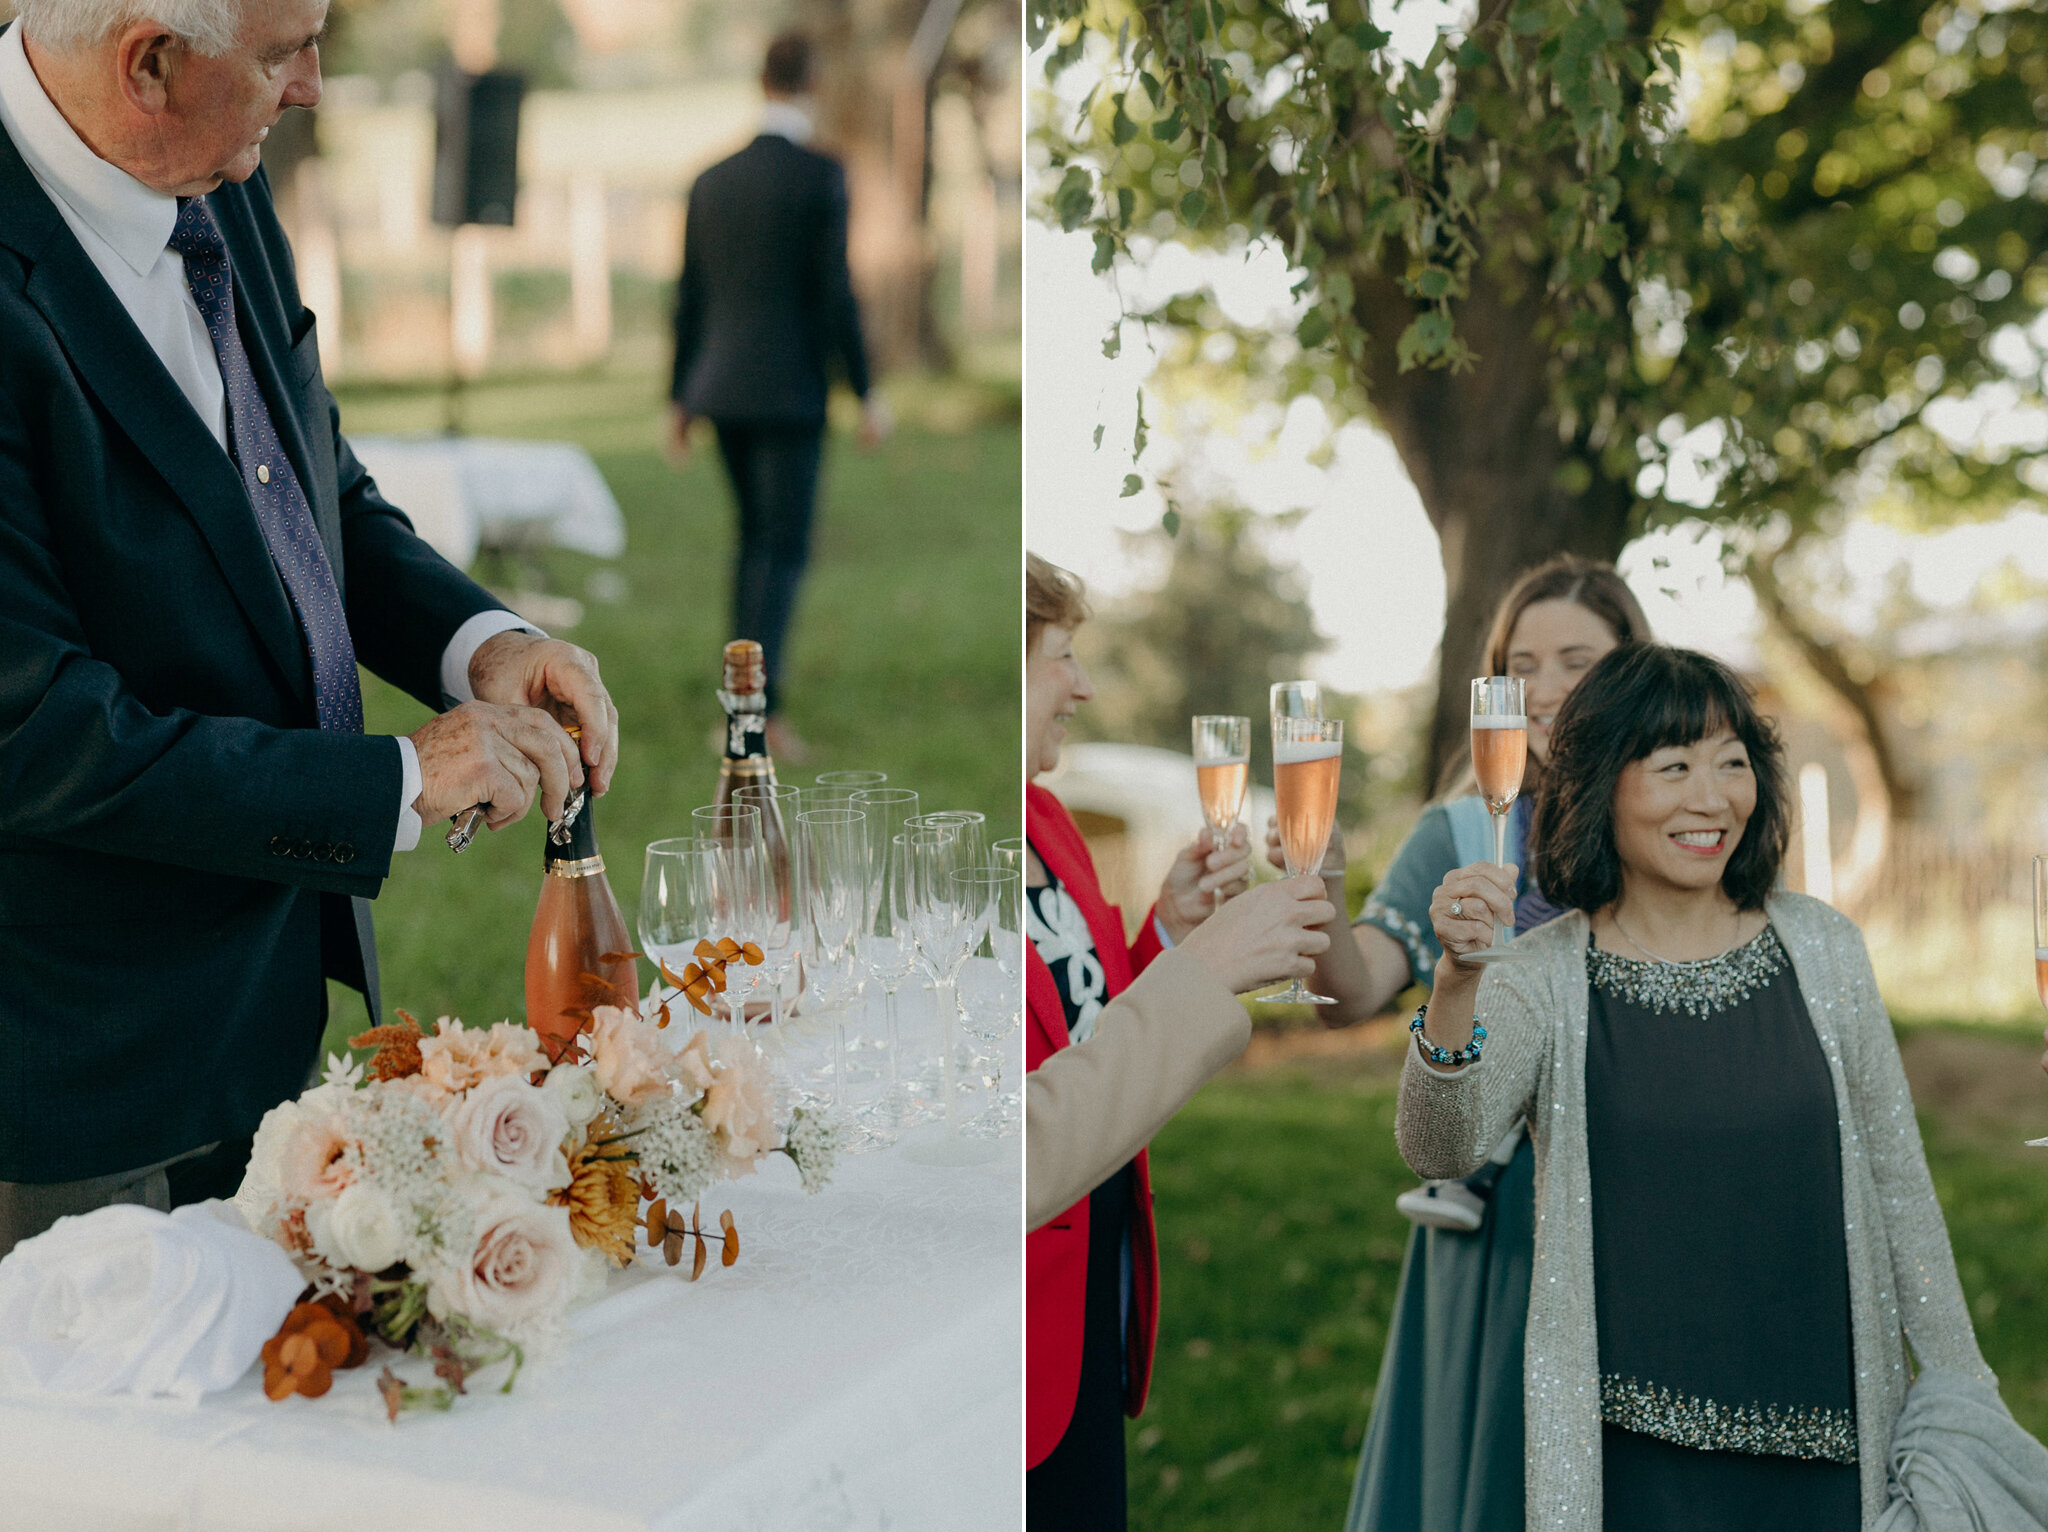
[[1902, 1277]]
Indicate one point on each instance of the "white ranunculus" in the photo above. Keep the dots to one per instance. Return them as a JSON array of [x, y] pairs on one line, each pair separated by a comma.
[[575, 1088], [257, 1197], [363, 1230], [507, 1127], [523, 1267]]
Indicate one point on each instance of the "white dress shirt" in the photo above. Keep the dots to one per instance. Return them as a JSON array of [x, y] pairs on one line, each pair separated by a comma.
[[125, 230], [785, 119]]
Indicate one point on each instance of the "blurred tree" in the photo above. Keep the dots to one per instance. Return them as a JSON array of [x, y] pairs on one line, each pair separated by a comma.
[[881, 64], [1222, 625], [1549, 273]]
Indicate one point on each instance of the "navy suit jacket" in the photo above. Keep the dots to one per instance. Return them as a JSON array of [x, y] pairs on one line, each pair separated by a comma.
[[179, 840], [766, 301]]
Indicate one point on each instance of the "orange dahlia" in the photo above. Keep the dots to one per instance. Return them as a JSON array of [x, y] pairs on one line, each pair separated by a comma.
[[602, 1196]]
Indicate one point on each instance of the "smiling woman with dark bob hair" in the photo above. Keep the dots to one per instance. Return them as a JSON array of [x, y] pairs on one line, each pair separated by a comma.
[[1651, 696], [1736, 1234]]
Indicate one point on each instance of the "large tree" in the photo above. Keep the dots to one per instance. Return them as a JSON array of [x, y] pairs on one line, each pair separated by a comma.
[[1580, 231]]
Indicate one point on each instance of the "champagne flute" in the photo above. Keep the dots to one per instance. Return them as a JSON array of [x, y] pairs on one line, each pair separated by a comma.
[[973, 827], [1295, 699], [1008, 852], [736, 827], [678, 900], [844, 784], [777, 804], [837, 867], [2040, 948], [1308, 754], [991, 980], [942, 926], [1500, 754], [1223, 768], [885, 943]]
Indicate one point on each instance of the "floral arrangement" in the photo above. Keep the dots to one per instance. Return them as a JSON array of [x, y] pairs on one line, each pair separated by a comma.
[[458, 1195]]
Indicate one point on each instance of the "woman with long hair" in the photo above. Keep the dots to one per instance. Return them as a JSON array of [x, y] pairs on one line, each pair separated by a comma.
[[1119, 1034], [1736, 1225], [1443, 1449]]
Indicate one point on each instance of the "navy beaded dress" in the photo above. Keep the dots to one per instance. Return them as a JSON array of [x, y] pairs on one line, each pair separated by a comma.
[[1721, 1275]]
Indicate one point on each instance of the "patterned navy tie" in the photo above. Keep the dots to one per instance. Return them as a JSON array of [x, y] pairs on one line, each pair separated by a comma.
[[274, 489]]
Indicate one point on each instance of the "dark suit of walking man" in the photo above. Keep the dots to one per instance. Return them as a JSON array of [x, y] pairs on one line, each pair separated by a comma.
[[192, 562], [765, 304]]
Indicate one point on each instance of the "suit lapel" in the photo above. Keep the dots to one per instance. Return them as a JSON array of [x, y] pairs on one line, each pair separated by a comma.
[[116, 365]]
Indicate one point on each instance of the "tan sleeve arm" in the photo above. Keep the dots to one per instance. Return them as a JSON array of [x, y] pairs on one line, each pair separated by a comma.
[[1089, 1108]]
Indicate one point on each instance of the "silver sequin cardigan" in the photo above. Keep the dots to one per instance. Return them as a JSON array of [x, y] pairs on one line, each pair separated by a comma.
[[1902, 1276]]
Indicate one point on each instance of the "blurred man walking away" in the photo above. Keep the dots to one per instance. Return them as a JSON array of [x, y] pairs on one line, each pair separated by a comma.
[[764, 304]]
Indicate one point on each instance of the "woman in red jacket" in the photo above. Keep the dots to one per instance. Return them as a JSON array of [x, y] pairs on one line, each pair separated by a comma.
[[1119, 1036]]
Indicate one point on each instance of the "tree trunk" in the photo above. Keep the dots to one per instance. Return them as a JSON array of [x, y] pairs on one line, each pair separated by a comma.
[[1496, 481]]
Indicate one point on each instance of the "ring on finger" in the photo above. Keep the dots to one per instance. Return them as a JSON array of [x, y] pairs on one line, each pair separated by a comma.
[[1457, 909]]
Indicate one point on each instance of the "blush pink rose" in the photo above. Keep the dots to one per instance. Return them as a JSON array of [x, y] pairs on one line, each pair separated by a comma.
[[521, 1269], [458, 1058], [739, 1107], [508, 1127], [632, 1062], [693, 1066]]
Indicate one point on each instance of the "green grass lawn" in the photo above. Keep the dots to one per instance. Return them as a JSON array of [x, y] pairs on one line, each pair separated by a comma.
[[1281, 1252], [905, 656]]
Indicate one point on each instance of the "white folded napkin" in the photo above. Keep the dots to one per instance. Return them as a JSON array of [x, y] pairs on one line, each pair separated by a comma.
[[127, 1300]]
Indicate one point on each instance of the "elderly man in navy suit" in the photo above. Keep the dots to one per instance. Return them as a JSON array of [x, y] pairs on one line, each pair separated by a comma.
[[765, 305], [192, 562]]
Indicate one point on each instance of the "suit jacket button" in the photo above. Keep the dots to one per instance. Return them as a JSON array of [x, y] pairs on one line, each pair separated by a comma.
[[344, 853], [322, 852], [303, 851], [279, 846]]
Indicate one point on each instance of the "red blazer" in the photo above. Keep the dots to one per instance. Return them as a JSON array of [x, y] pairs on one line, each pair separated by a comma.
[[1056, 1253]]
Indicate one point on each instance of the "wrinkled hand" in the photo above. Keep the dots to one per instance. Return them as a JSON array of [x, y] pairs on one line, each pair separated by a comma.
[[524, 670], [677, 443], [1268, 935], [875, 422], [488, 752], [1187, 897], [1485, 896], [1276, 855]]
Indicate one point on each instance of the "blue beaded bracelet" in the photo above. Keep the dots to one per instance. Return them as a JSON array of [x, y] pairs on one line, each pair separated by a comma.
[[1469, 1054]]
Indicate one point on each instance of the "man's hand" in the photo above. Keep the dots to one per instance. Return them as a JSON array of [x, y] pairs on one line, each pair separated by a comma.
[[678, 444], [487, 752], [875, 422], [1187, 897], [524, 670]]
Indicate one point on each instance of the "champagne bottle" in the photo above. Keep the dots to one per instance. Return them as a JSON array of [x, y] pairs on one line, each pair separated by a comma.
[[744, 696], [576, 956]]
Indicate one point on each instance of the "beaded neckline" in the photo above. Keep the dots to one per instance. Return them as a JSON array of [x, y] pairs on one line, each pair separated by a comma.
[[1699, 988]]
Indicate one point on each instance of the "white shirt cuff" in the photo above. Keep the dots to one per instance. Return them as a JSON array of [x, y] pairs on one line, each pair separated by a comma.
[[462, 648], [1159, 926], [408, 821]]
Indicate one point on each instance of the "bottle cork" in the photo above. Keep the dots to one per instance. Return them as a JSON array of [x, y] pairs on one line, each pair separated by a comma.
[[745, 668]]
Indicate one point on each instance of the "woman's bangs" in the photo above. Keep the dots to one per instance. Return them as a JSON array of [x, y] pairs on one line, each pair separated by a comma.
[[1684, 705]]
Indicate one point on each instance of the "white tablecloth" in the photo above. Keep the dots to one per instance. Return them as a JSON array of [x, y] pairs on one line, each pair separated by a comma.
[[463, 492], [859, 1368]]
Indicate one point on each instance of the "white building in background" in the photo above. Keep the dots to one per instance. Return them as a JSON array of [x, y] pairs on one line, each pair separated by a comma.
[[1137, 806]]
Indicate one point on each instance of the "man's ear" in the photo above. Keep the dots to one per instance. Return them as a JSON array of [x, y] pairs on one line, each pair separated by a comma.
[[146, 58]]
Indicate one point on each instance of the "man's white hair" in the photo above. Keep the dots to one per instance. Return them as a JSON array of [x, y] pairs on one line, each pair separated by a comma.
[[62, 26]]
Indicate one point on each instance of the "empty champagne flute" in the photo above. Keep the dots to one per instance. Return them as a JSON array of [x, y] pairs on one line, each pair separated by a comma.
[[991, 982], [679, 901], [1008, 852], [1223, 768], [737, 829], [1500, 754], [778, 806], [837, 867], [1308, 754], [942, 927], [885, 944], [972, 825], [846, 783]]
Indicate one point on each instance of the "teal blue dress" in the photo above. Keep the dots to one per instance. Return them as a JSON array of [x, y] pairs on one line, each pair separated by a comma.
[[1443, 1449]]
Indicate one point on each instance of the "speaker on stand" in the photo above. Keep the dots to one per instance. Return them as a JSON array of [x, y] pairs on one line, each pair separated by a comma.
[[476, 182]]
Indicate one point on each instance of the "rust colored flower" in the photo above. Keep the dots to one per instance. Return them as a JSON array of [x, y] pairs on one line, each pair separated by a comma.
[[302, 1356], [602, 1197], [392, 1387], [398, 1049]]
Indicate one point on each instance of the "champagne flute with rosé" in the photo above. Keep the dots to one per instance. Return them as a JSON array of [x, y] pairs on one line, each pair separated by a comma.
[[1500, 754], [1223, 764], [1308, 754]]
